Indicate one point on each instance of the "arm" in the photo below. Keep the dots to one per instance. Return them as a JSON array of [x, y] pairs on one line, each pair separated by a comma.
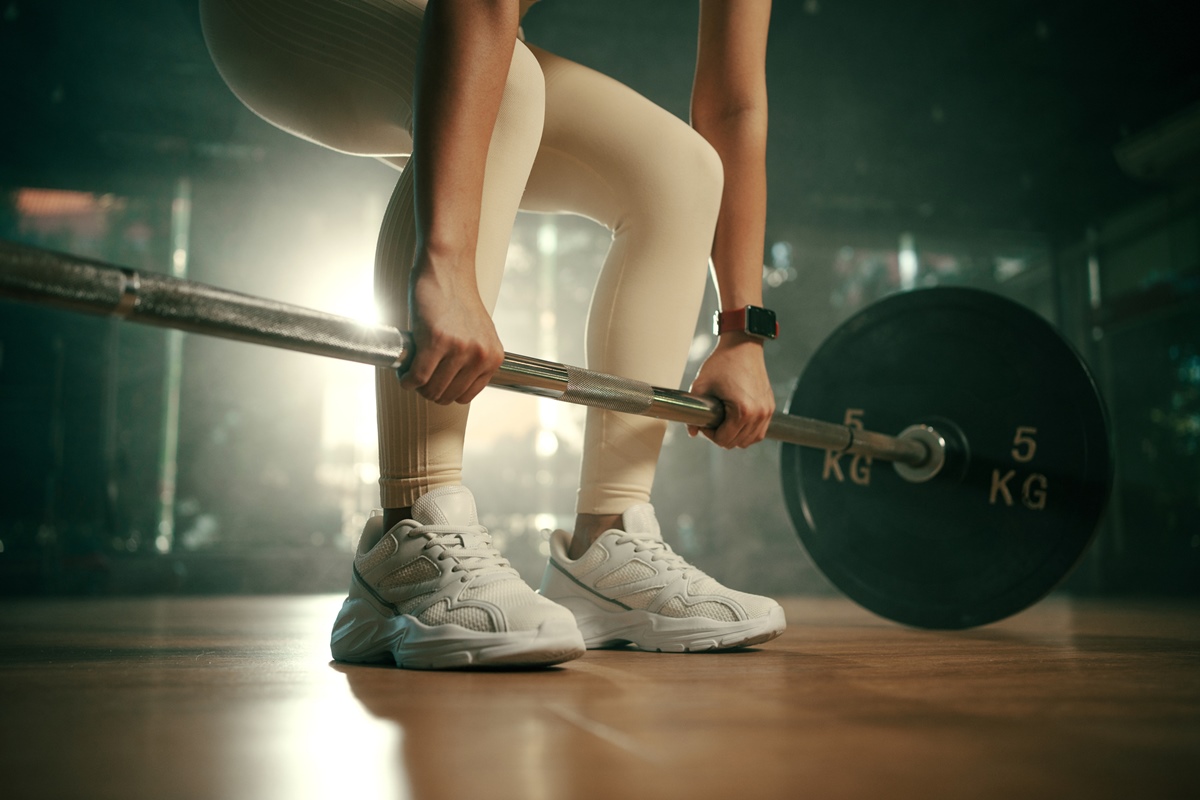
[[463, 61], [729, 109]]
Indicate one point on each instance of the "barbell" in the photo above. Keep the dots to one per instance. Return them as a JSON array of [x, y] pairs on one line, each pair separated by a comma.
[[1000, 470]]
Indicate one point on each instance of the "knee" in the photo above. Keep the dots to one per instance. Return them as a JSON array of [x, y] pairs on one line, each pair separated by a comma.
[[688, 179], [705, 172]]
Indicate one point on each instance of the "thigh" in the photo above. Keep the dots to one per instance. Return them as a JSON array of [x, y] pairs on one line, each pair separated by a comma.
[[607, 152], [336, 72]]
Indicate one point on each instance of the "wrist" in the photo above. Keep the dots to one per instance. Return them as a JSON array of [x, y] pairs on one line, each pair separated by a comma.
[[736, 339], [444, 263]]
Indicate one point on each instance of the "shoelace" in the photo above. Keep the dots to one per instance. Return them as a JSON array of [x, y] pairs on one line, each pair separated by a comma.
[[659, 551], [470, 546]]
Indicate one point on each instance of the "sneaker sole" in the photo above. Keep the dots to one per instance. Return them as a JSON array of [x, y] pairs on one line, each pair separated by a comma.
[[361, 635], [602, 628]]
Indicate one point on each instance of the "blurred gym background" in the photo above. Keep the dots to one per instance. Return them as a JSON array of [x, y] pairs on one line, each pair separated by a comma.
[[1048, 151]]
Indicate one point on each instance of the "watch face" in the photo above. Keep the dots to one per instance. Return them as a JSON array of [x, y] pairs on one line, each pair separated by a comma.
[[761, 322]]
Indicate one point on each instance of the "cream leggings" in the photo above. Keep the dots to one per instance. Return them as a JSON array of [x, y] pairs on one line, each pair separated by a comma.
[[568, 139]]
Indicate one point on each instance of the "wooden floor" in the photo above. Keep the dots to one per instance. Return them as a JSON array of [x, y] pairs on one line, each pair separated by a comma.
[[237, 698]]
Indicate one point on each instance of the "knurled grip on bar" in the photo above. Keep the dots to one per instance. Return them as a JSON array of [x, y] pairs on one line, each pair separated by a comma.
[[93, 287], [600, 390], [79, 284]]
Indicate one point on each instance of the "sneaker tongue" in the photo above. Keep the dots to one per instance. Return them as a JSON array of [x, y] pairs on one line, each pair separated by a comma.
[[449, 505], [640, 520]]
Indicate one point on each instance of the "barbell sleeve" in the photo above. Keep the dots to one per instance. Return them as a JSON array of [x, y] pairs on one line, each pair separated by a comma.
[[85, 285]]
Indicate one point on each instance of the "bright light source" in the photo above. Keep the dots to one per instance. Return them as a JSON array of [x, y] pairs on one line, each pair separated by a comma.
[[547, 443], [347, 289], [547, 238], [349, 407], [908, 262], [547, 411], [368, 471], [348, 402]]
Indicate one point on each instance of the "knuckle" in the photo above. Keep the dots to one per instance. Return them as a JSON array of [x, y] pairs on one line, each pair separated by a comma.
[[434, 338]]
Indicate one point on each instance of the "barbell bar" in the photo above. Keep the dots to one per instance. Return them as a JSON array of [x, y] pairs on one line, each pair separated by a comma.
[[94, 287]]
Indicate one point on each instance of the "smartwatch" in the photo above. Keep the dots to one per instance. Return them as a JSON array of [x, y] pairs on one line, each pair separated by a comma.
[[752, 320]]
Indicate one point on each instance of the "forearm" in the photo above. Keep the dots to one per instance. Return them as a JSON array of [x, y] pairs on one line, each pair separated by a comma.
[[465, 52], [740, 140], [729, 109]]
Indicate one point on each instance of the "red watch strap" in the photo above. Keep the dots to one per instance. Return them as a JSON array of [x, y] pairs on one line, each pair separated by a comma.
[[731, 320]]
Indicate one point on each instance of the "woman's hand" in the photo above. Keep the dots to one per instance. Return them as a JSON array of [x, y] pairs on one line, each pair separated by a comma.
[[463, 60], [736, 374], [457, 349]]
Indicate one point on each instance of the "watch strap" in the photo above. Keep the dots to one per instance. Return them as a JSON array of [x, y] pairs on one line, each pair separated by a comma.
[[738, 319]]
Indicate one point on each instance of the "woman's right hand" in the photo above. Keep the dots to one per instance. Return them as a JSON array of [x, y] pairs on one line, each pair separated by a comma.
[[463, 59], [457, 349]]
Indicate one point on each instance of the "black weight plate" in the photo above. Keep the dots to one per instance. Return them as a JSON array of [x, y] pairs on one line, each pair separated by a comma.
[[1027, 480]]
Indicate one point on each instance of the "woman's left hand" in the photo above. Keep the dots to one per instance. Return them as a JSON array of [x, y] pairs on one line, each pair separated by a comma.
[[736, 374]]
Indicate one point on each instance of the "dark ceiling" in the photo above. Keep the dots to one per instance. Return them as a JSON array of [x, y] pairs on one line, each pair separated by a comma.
[[983, 114]]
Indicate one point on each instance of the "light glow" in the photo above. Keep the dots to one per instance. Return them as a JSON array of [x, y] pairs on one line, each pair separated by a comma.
[[547, 443], [908, 262]]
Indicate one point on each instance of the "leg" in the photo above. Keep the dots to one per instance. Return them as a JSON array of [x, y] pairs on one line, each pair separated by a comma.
[[609, 154], [430, 591], [340, 74], [613, 156], [421, 443]]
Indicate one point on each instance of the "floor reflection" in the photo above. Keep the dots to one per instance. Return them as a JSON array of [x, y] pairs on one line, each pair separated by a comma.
[[449, 743]]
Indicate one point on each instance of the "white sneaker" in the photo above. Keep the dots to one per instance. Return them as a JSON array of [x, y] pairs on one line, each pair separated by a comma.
[[433, 593], [630, 587]]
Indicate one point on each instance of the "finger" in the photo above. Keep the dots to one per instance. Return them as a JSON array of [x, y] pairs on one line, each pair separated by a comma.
[[417, 374], [456, 388], [738, 439], [728, 439], [768, 415], [730, 431], [754, 427], [755, 430], [488, 365], [478, 386], [749, 432], [761, 432], [434, 389], [463, 382]]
